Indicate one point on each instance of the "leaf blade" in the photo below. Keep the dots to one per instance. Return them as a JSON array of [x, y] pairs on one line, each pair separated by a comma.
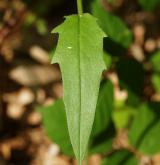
[[81, 64]]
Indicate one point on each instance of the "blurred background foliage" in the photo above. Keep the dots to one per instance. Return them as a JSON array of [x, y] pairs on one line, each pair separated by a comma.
[[33, 128]]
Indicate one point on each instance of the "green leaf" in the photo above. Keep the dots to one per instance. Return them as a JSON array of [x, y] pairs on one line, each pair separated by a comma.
[[103, 142], [55, 124], [122, 157], [112, 25], [107, 59], [104, 108], [100, 141], [156, 82], [141, 122], [149, 4], [110, 1], [122, 116], [150, 144], [155, 61], [144, 133], [102, 147], [80, 55]]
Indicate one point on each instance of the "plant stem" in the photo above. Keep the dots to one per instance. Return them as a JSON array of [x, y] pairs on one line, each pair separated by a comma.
[[79, 7]]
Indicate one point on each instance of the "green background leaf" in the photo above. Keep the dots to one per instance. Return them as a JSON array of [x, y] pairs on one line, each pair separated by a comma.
[[112, 25], [55, 124], [104, 108], [149, 4], [122, 157], [155, 61], [156, 82], [144, 133]]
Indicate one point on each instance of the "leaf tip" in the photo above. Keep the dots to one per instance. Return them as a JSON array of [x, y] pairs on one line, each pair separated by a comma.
[[54, 60], [54, 31]]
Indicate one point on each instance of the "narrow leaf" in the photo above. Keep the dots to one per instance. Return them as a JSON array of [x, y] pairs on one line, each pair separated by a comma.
[[80, 55]]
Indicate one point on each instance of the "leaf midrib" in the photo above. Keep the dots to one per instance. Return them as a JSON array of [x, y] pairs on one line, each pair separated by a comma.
[[79, 54]]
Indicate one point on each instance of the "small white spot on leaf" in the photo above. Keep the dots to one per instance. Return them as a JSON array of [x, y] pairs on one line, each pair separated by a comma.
[[69, 47]]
